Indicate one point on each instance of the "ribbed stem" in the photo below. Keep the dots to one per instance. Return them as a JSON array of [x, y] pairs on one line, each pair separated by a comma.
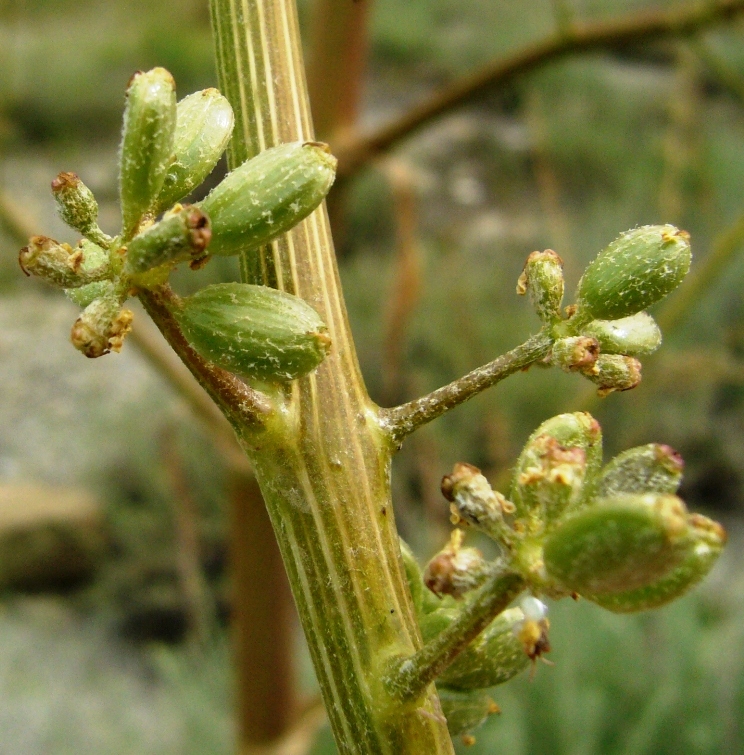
[[323, 462]]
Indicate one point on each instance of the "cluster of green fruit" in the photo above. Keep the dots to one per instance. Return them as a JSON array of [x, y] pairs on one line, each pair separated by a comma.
[[167, 150], [616, 535]]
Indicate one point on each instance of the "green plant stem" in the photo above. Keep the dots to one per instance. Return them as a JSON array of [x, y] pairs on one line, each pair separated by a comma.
[[322, 459], [414, 674], [404, 419], [575, 38]]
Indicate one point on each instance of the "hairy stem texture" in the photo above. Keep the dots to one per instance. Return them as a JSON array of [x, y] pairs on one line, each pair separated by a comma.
[[322, 459]]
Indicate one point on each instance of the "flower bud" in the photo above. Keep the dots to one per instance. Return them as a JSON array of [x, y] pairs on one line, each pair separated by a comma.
[[633, 336], [182, 234], [558, 460], [654, 468], [575, 354], [493, 657], [254, 331], [465, 711], [60, 264], [614, 372], [102, 326], [146, 145], [268, 195], [621, 543], [532, 631], [456, 570], [475, 502], [204, 123], [78, 207], [636, 270], [542, 278], [708, 541]]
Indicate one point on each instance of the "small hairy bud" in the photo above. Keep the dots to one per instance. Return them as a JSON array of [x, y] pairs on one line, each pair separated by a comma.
[[542, 278], [636, 270], [60, 264], [268, 195], [204, 124], [254, 331], [146, 145], [654, 468], [556, 463], [633, 336], [102, 326], [475, 502], [181, 235], [620, 543], [78, 207], [707, 543], [456, 570], [614, 372], [575, 354], [465, 711]]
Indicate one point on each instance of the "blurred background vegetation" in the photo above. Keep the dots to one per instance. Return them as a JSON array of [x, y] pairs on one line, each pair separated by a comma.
[[114, 620]]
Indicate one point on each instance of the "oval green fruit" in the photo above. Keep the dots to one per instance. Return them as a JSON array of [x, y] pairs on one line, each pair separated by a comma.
[[465, 711], [146, 144], [254, 331], [702, 554], [618, 544], [633, 336], [556, 463], [493, 657], [268, 195], [636, 270], [204, 124], [653, 468]]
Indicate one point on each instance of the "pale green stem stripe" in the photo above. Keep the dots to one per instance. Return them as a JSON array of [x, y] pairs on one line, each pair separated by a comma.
[[323, 465]]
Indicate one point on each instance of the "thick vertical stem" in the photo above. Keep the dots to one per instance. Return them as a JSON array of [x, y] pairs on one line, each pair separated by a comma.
[[323, 461]]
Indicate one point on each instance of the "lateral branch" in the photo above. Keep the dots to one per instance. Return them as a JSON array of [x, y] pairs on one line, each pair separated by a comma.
[[402, 420]]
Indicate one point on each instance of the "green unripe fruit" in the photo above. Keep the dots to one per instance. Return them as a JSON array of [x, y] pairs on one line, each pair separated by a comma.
[[146, 145], [702, 554], [181, 235], [633, 336], [654, 468], [465, 711], [493, 657], [268, 195], [619, 544], [254, 331], [636, 270], [62, 265], [559, 459], [78, 207], [204, 124], [542, 278]]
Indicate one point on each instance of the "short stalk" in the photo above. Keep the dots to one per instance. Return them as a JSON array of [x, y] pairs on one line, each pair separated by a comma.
[[411, 676], [404, 419]]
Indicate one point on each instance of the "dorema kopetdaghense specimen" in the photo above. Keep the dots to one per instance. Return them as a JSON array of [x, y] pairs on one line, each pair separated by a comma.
[[281, 366], [168, 148]]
